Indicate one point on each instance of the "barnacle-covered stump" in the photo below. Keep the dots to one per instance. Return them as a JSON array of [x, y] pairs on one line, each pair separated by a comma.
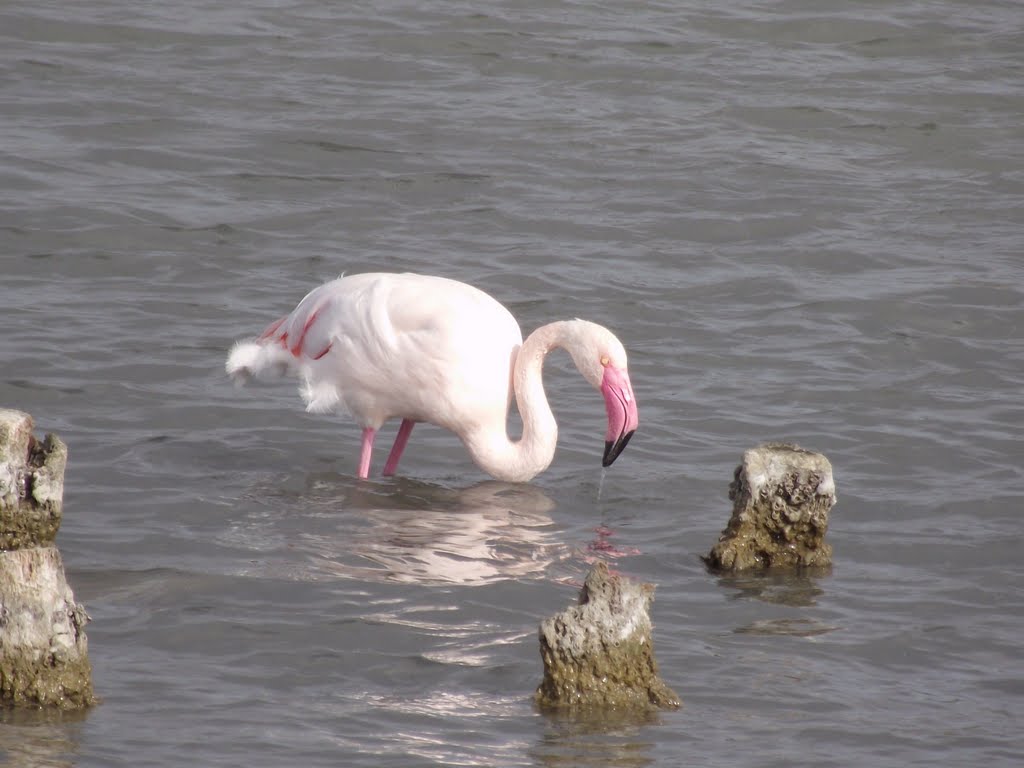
[[781, 495], [44, 660], [599, 654]]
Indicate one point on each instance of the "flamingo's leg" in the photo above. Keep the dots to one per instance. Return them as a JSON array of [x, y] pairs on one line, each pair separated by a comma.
[[364, 455], [396, 450]]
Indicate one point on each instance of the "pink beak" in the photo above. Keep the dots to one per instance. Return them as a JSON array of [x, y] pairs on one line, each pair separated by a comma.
[[622, 413]]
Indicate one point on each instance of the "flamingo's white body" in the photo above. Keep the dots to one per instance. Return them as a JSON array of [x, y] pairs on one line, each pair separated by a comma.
[[424, 348]]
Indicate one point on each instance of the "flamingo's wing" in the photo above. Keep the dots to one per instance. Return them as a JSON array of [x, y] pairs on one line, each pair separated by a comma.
[[384, 345]]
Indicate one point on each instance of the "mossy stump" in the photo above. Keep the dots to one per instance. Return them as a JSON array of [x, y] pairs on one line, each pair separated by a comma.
[[44, 660], [599, 654], [782, 496]]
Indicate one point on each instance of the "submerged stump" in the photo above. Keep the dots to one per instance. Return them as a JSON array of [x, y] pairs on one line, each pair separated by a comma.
[[599, 654], [782, 496], [44, 657]]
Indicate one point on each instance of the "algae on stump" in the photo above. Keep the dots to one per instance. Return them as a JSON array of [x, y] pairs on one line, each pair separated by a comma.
[[43, 649], [599, 654], [782, 495]]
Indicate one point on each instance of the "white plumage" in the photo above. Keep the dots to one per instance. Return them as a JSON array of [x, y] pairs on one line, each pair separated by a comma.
[[425, 348]]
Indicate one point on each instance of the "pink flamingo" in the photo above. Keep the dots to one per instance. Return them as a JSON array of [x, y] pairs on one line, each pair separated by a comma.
[[430, 349]]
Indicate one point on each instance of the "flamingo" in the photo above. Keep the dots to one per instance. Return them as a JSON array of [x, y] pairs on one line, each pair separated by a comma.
[[431, 349]]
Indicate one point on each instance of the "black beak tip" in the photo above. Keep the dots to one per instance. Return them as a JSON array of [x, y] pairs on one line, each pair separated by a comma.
[[613, 449]]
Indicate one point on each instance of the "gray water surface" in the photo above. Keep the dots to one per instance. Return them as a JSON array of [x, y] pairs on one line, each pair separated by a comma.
[[803, 219]]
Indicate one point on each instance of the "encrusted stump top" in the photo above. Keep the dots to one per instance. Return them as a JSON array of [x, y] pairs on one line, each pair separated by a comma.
[[31, 483], [599, 654], [782, 496]]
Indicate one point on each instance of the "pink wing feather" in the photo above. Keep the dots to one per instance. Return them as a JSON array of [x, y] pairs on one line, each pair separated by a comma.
[[298, 333]]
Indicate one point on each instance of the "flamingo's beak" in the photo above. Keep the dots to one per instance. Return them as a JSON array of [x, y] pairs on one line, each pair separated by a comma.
[[622, 414]]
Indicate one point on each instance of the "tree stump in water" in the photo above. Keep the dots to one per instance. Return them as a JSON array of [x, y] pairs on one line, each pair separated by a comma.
[[781, 495], [44, 657], [599, 654]]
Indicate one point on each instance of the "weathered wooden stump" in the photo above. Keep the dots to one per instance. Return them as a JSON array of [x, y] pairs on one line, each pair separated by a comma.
[[599, 654], [781, 495], [44, 660]]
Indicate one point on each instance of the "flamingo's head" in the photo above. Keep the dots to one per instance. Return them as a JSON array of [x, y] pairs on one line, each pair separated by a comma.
[[601, 359]]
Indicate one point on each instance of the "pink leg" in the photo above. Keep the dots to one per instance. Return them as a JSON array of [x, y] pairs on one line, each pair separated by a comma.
[[391, 466], [364, 455]]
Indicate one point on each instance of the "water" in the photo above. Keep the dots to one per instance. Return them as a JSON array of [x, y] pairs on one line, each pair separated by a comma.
[[804, 221]]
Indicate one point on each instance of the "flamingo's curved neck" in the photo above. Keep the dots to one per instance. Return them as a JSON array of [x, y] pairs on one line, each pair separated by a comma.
[[520, 460]]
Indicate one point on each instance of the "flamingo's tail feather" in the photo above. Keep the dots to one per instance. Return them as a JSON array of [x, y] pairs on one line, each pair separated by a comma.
[[249, 360]]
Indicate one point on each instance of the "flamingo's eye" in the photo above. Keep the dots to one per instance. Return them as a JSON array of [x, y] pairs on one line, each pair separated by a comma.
[[604, 360]]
